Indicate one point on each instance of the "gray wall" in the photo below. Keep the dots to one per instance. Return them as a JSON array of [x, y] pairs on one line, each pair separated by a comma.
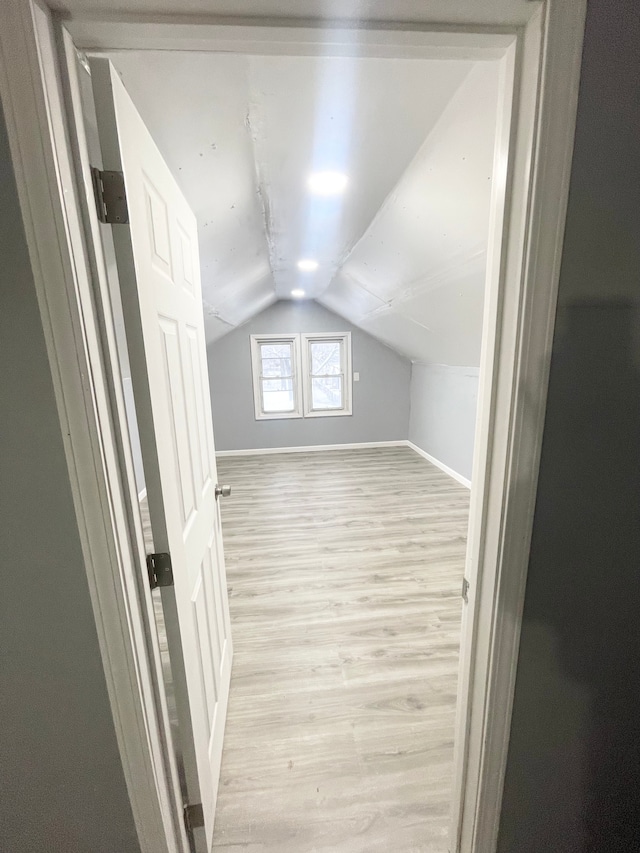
[[443, 413], [62, 787], [573, 775], [380, 398]]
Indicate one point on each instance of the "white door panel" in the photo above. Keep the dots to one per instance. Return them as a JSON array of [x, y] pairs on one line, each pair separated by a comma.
[[163, 312]]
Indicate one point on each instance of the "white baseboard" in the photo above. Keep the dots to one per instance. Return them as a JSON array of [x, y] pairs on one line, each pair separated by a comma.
[[462, 480], [142, 495], [311, 448]]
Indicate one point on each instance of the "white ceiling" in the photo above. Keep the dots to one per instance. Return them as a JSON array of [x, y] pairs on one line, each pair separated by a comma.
[[416, 277], [401, 253]]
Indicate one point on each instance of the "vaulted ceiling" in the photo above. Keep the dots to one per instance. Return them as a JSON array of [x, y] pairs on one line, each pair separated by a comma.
[[401, 252]]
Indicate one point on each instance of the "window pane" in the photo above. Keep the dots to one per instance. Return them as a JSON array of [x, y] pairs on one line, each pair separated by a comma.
[[275, 359], [275, 350], [277, 395], [325, 358], [326, 393], [277, 384], [276, 367]]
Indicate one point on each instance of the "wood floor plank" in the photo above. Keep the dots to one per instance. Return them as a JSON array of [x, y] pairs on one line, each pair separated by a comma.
[[344, 570]]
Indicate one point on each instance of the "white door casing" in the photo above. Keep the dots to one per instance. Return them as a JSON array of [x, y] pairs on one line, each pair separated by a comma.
[[158, 269], [42, 199]]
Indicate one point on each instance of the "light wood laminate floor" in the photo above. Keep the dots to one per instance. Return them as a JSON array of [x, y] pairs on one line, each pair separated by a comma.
[[344, 570]]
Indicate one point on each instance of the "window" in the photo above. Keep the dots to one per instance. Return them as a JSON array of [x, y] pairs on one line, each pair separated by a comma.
[[326, 360], [298, 376], [276, 376]]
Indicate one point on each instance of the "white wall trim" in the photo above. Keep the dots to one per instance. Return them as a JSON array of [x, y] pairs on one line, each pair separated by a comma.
[[282, 37], [462, 480], [522, 274], [311, 448], [359, 445]]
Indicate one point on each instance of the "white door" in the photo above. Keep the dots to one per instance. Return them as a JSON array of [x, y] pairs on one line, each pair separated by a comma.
[[159, 274]]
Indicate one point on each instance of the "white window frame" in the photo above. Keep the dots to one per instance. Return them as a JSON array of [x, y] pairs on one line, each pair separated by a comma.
[[256, 366], [344, 338]]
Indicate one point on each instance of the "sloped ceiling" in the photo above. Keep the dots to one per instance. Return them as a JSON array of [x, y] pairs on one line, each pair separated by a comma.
[[416, 277], [401, 253]]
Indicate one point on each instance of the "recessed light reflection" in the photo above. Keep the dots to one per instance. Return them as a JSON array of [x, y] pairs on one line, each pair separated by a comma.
[[327, 183], [297, 293], [307, 265]]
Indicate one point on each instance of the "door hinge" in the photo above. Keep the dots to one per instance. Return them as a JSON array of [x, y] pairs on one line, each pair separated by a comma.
[[193, 817], [160, 570], [111, 196], [465, 590]]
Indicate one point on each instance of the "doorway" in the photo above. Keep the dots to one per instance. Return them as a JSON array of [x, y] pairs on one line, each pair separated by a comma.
[[504, 305], [440, 176]]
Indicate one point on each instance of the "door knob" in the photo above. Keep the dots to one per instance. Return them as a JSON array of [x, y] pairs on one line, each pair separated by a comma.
[[222, 491]]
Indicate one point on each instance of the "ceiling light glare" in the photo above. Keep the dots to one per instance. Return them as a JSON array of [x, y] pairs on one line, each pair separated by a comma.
[[327, 183], [307, 265], [297, 293]]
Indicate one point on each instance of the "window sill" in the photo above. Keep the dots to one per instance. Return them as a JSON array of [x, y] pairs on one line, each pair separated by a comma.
[[279, 416], [327, 413]]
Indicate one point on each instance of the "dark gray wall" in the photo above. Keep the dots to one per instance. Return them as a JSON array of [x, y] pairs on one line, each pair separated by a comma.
[[62, 787], [380, 398], [573, 775], [443, 413]]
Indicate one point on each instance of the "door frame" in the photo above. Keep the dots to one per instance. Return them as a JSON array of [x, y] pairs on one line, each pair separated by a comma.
[[545, 55], [82, 353]]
